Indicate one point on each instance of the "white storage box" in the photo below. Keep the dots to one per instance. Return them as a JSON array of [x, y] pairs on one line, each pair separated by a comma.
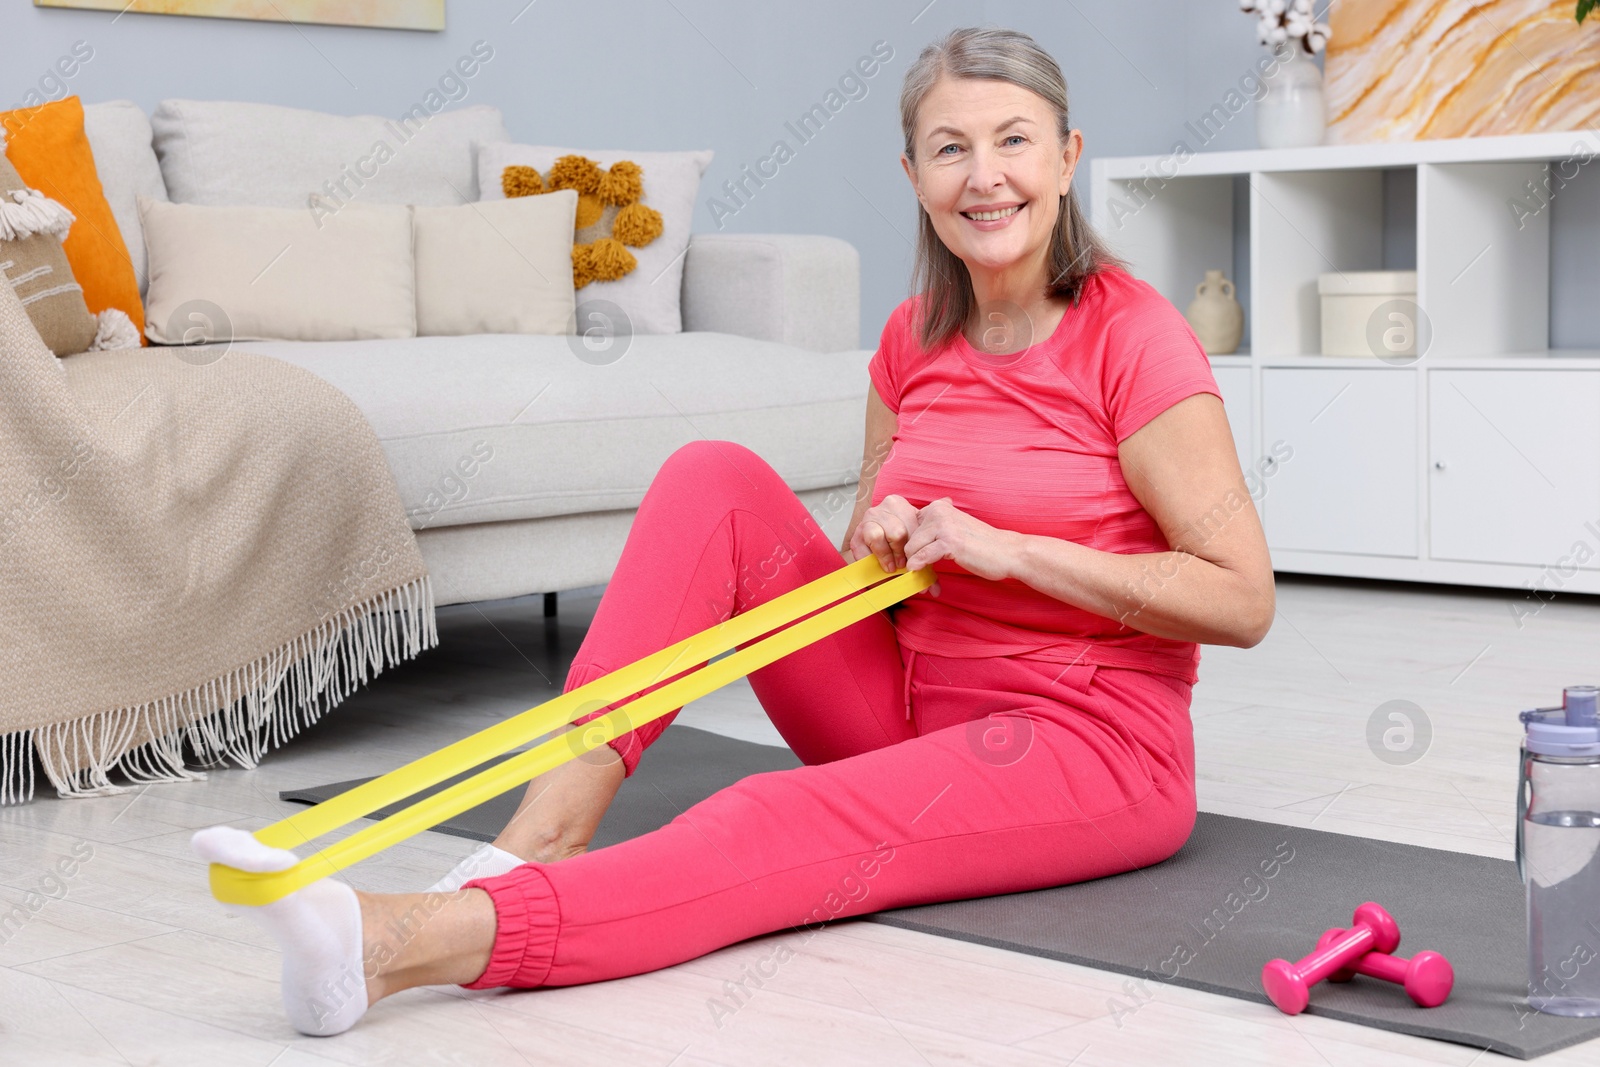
[[1351, 321]]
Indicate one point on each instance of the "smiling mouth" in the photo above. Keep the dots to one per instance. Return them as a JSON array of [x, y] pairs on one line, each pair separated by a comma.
[[992, 216]]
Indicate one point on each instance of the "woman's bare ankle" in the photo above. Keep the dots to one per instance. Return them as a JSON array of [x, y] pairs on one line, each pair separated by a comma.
[[413, 939], [541, 846], [563, 807]]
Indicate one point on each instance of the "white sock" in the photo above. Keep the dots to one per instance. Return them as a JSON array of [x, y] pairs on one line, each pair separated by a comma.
[[485, 861], [317, 928]]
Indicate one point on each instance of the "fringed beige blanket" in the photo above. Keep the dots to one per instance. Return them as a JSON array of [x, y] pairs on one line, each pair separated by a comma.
[[198, 556]]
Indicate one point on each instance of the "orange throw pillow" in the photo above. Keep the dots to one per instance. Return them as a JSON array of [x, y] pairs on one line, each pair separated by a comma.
[[51, 152]]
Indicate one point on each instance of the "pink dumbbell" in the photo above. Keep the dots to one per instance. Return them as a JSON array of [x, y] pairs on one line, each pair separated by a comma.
[[1288, 985], [1427, 976]]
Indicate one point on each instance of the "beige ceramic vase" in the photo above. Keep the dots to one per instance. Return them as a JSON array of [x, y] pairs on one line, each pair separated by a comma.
[[1215, 316]]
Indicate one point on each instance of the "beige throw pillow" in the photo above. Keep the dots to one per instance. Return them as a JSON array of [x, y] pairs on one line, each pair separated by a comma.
[[502, 266], [266, 273]]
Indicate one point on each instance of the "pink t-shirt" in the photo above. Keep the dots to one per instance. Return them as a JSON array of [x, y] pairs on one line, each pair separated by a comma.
[[1029, 443]]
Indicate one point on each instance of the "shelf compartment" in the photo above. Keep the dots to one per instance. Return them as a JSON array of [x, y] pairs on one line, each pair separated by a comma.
[[1171, 232], [1484, 269], [1307, 223]]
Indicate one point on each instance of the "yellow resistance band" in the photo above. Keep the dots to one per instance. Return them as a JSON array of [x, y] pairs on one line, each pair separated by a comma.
[[864, 577]]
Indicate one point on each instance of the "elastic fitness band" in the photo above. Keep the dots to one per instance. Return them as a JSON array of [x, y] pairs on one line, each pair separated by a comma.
[[863, 582]]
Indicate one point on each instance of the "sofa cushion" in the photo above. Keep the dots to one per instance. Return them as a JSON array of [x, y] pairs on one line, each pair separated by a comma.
[[504, 267], [497, 427], [220, 273], [228, 152], [125, 158]]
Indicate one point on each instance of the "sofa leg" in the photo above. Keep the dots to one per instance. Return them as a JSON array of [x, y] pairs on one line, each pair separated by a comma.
[[549, 605]]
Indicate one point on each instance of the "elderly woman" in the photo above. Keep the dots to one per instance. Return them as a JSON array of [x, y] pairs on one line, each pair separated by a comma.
[[1043, 430]]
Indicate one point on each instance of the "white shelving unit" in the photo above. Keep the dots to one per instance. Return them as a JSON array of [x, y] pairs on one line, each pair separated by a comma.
[[1477, 463]]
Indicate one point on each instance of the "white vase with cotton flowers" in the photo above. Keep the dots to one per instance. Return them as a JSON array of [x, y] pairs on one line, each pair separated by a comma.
[[1293, 112]]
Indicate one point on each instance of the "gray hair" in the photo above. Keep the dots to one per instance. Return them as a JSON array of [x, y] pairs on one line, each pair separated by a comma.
[[1076, 250]]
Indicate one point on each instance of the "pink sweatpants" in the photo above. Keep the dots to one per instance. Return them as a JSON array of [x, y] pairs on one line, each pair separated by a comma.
[[927, 778]]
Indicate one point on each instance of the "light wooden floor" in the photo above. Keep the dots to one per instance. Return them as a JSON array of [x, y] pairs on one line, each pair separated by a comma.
[[133, 963]]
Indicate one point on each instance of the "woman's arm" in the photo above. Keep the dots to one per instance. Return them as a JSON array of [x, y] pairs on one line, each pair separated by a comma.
[[1216, 584], [881, 425]]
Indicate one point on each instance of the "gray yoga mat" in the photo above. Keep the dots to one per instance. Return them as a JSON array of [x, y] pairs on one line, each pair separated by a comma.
[[1238, 894]]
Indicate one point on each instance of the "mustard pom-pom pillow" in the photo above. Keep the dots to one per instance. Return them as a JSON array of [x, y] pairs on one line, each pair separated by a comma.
[[604, 199], [632, 225]]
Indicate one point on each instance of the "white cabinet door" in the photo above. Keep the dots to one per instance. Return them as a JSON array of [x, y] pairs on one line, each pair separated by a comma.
[[1345, 445], [1513, 465], [1235, 385]]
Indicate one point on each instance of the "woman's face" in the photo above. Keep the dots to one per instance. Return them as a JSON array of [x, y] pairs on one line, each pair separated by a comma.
[[990, 171]]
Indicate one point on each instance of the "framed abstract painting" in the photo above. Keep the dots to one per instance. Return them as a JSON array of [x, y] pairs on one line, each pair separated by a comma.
[[388, 14], [1415, 70]]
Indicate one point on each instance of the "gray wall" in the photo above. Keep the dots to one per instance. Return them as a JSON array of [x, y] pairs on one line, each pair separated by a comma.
[[654, 74]]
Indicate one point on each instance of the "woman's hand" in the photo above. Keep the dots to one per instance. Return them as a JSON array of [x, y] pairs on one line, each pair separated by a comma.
[[943, 531], [883, 531]]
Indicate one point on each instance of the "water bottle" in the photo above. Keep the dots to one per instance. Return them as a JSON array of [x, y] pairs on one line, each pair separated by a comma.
[[1558, 852]]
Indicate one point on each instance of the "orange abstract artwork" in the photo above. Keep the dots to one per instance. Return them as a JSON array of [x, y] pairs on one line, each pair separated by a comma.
[[391, 14], [1412, 70]]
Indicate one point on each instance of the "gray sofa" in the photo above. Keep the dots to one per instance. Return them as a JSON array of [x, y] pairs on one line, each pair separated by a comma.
[[521, 464]]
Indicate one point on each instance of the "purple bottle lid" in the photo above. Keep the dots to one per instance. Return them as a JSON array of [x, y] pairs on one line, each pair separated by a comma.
[[1570, 730], [1581, 702]]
